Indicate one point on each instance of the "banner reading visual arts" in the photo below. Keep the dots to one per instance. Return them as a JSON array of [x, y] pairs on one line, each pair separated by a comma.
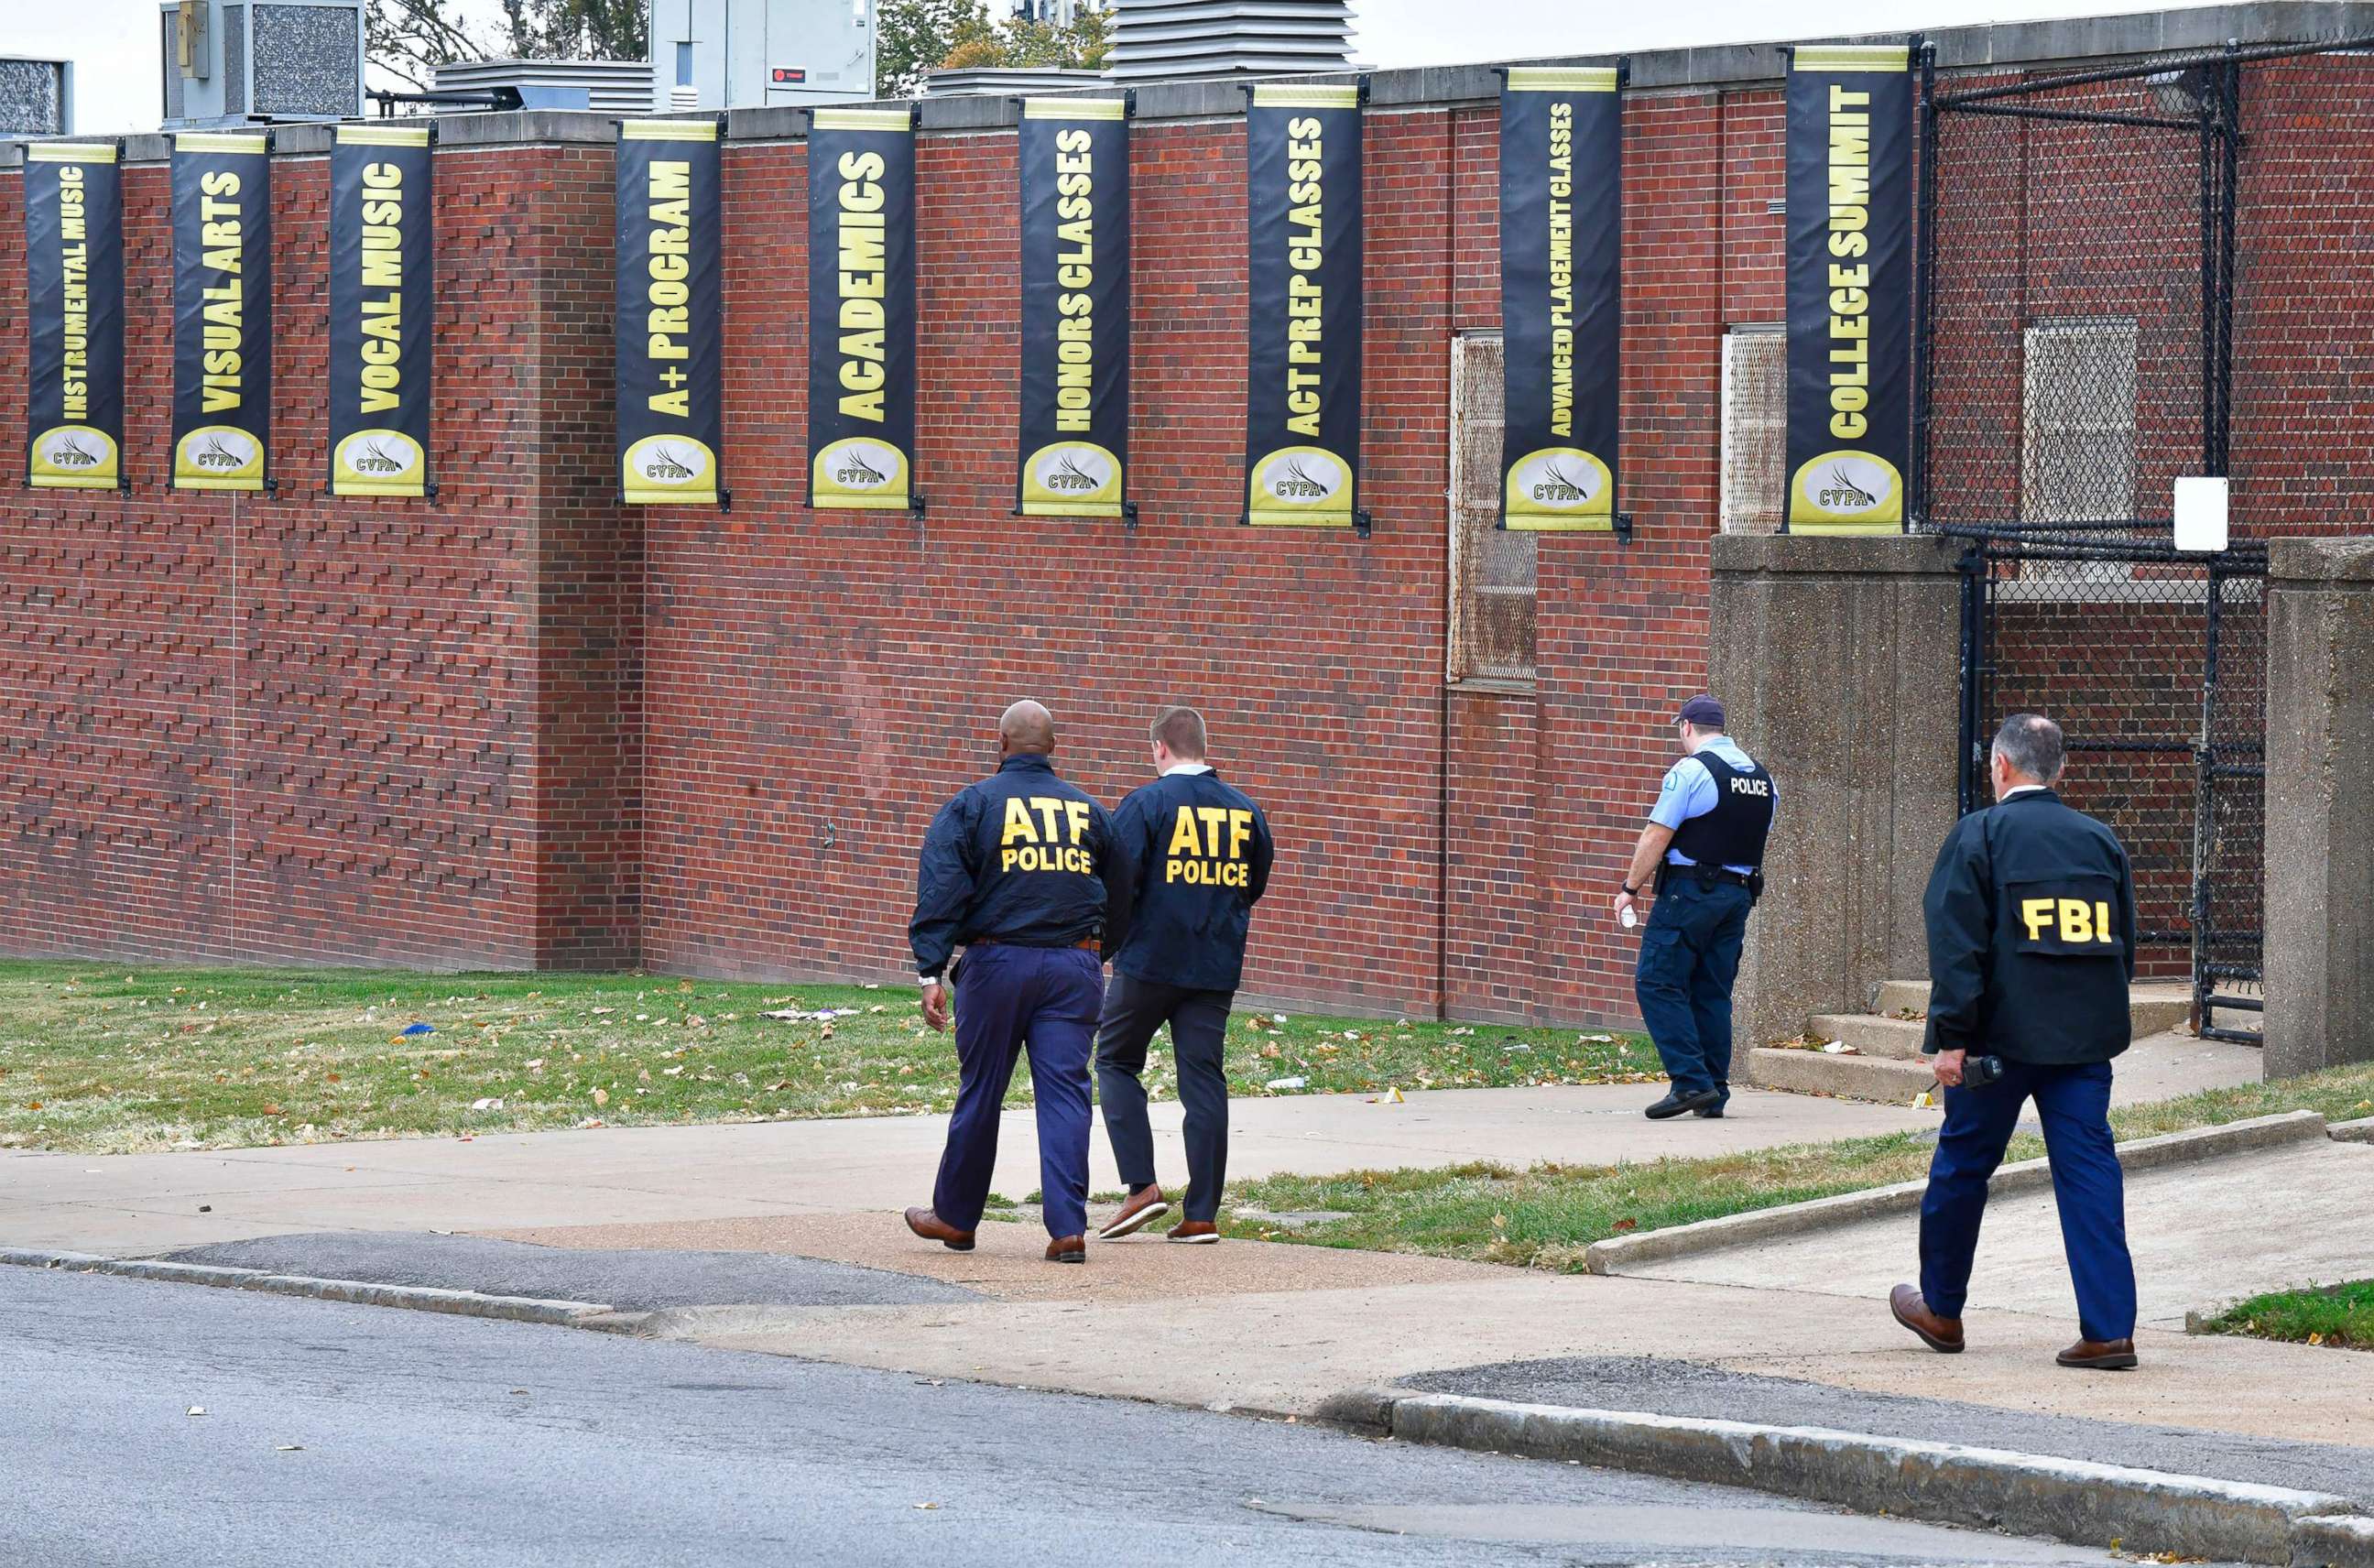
[[670, 314], [862, 308], [1302, 415], [382, 304], [1851, 263], [1561, 306], [74, 297], [1075, 169], [222, 310]]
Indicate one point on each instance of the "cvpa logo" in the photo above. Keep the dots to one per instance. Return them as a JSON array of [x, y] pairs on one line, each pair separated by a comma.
[[671, 461], [1558, 480], [222, 452], [1849, 486], [73, 452], [1302, 476], [1072, 473], [381, 455], [862, 466]]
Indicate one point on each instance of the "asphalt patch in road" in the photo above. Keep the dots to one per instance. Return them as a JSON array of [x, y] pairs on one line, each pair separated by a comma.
[[632, 1280]]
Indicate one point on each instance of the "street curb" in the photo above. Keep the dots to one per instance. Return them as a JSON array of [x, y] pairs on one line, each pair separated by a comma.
[[2360, 1131], [1620, 1255], [2070, 1500], [416, 1298]]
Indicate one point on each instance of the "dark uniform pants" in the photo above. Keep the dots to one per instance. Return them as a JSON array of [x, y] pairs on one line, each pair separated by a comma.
[[1008, 999], [1199, 1036], [1689, 956], [2074, 1103]]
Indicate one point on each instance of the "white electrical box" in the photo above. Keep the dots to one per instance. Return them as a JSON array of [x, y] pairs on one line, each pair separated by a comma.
[[2200, 515], [711, 55]]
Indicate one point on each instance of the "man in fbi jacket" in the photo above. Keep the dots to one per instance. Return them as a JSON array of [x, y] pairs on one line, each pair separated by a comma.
[[2031, 915], [1192, 856], [1013, 871]]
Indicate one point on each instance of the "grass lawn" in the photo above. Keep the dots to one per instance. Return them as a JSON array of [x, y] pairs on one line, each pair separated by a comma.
[[102, 1058], [1548, 1216], [2340, 1314]]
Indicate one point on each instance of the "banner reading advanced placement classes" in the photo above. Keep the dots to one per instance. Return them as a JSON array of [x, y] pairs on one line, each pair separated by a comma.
[[1849, 287], [1561, 310], [1303, 267], [73, 296], [1074, 446], [671, 386], [382, 304], [222, 310], [862, 308]]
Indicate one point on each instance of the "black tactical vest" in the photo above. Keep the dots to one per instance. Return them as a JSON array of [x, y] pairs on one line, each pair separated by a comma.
[[1734, 833]]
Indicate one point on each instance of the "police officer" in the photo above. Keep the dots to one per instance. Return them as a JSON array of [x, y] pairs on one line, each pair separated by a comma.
[[1013, 871], [1705, 841], [1192, 858], [2031, 917]]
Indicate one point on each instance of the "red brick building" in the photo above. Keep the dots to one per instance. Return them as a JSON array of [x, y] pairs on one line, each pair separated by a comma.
[[522, 726]]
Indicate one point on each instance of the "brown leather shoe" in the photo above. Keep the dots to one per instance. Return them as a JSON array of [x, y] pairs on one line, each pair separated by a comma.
[[931, 1228], [1068, 1249], [1942, 1334], [1140, 1211], [2099, 1355], [1201, 1231]]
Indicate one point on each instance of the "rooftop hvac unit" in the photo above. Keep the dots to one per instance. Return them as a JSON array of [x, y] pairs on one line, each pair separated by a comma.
[[36, 97], [228, 62], [617, 87], [1189, 38], [997, 80]]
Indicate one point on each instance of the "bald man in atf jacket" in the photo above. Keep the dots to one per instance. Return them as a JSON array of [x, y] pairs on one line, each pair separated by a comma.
[[2031, 915]]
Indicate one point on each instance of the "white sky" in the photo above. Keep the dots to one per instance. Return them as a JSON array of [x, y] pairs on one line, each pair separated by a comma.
[[113, 43]]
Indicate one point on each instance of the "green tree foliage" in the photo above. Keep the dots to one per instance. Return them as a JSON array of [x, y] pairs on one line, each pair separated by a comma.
[[409, 39], [920, 36]]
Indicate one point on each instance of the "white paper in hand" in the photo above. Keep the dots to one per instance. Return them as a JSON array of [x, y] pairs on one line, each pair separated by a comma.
[[1630, 919]]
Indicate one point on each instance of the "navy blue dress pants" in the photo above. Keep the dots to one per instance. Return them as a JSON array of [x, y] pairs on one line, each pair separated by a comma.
[[2074, 1103], [1009, 1000], [1689, 956]]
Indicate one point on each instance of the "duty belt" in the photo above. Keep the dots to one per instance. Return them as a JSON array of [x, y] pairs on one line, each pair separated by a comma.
[[1089, 944], [1711, 876]]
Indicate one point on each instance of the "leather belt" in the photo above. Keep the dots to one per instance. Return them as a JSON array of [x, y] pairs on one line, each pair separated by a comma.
[[1086, 944]]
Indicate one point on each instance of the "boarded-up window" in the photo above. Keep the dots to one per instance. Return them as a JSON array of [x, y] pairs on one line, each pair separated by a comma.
[[1491, 568], [1754, 428], [2077, 421]]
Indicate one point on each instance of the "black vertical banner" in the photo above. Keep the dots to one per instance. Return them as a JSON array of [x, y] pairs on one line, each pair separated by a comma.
[[862, 308], [671, 313], [74, 297], [382, 305], [1561, 305], [1074, 176], [222, 310], [1850, 264], [1303, 277]]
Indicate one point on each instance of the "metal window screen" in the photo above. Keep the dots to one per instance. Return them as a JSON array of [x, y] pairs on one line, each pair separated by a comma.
[[1492, 569], [2077, 421], [1754, 428]]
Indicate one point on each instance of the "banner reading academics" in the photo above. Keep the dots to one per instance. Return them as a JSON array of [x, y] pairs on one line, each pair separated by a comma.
[[1074, 447], [1849, 287], [670, 314], [380, 309], [861, 308], [1562, 311], [222, 310], [74, 275], [1302, 413]]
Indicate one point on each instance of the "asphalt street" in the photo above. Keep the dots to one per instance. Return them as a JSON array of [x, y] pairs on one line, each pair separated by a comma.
[[335, 1433]]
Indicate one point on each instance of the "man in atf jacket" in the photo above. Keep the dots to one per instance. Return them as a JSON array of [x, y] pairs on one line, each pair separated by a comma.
[[1192, 858], [1013, 871], [2031, 917]]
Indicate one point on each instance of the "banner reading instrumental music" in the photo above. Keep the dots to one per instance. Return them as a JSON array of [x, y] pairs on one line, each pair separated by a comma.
[[73, 298]]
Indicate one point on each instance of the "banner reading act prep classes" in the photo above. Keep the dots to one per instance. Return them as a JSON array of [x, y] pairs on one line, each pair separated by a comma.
[[1302, 415], [671, 374], [862, 308], [74, 275], [380, 301], [1849, 287], [1075, 448], [222, 310]]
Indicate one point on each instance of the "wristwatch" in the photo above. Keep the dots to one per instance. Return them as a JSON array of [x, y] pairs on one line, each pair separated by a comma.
[[1633, 891]]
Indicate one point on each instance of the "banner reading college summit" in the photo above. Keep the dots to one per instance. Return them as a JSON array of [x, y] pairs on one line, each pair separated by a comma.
[[861, 308], [670, 392], [73, 274], [1302, 413], [1074, 447], [381, 306], [1562, 311], [1849, 287], [222, 310]]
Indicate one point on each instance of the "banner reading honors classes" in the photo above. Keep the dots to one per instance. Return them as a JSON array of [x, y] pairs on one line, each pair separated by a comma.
[[74, 275], [1849, 287], [1302, 415], [222, 310], [862, 308], [1561, 307], [671, 387], [1075, 169], [382, 304]]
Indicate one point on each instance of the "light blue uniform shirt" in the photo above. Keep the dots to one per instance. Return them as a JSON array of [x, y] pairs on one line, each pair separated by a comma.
[[1688, 791]]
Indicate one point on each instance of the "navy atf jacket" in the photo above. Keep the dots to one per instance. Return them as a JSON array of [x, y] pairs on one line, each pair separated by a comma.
[[1019, 857], [2031, 915], [1192, 856]]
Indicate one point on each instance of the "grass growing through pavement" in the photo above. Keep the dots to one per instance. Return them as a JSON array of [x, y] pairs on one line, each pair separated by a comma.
[[99, 1059], [1548, 1216], [2343, 1315]]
